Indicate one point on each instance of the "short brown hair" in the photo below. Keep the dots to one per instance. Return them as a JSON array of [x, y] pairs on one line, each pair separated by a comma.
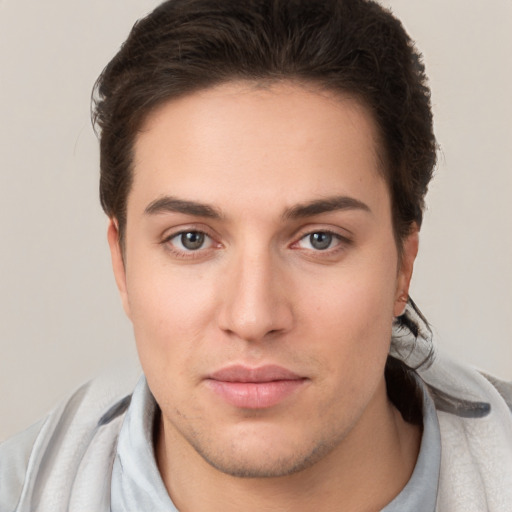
[[354, 47]]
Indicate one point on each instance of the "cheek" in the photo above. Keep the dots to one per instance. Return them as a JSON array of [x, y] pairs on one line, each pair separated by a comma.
[[353, 346], [170, 312], [358, 326], [351, 313]]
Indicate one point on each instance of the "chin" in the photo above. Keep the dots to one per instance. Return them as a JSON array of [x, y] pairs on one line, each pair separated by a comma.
[[264, 460]]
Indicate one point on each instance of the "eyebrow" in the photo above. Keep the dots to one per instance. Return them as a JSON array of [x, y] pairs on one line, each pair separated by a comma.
[[318, 206], [329, 204], [172, 204]]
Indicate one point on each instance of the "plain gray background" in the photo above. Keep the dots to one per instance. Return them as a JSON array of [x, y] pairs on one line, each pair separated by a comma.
[[61, 322]]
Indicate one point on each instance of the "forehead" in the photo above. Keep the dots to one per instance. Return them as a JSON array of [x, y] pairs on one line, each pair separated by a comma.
[[283, 141]]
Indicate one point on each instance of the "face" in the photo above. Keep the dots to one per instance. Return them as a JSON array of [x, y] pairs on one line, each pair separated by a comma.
[[261, 274]]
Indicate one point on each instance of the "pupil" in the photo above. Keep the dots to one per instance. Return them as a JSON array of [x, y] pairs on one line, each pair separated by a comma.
[[320, 241], [192, 240]]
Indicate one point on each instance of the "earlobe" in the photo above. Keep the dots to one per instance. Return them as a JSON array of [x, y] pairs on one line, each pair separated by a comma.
[[116, 254], [409, 253]]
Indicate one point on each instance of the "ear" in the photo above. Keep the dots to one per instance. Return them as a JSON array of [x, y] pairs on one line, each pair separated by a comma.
[[116, 254], [408, 256]]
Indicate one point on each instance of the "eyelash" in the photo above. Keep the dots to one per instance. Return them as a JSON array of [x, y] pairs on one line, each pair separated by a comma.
[[184, 253], [342, 243]]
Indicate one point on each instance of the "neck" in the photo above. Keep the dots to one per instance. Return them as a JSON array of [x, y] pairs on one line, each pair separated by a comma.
[[364, 472]]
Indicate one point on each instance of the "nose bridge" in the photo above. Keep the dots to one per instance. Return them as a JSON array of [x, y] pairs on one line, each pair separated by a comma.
[[254, 302]]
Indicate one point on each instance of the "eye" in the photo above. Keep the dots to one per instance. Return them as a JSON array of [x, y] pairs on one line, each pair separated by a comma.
[[319, 241], [189, 241]]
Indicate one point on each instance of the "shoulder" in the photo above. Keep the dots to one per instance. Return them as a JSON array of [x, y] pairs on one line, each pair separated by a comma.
[[48, 455], [504, 388], [475, 421], [14, 457]]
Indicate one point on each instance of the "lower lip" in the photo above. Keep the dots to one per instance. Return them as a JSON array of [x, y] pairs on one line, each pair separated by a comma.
[[255, 395]]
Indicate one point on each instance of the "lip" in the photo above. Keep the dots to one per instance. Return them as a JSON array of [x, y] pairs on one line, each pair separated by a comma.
[[254, 388]]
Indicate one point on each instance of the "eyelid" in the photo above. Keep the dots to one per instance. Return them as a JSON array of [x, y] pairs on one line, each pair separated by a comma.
[[344, 241], [343, 234], [207, 240], [334, 237], [187, 228], [189, 254]]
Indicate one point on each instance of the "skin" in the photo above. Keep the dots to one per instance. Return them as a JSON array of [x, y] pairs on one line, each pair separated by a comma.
[[258, 291]]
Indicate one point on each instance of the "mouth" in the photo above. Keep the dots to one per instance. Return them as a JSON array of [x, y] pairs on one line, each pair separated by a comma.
[[254, 388]]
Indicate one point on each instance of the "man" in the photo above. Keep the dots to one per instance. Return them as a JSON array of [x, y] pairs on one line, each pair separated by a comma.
[[264, 166]]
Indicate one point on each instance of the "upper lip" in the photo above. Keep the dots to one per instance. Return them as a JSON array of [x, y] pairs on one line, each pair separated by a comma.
[[241, 373]]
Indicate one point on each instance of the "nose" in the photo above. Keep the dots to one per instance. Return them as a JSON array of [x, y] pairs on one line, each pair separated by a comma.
[[255, 301]]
